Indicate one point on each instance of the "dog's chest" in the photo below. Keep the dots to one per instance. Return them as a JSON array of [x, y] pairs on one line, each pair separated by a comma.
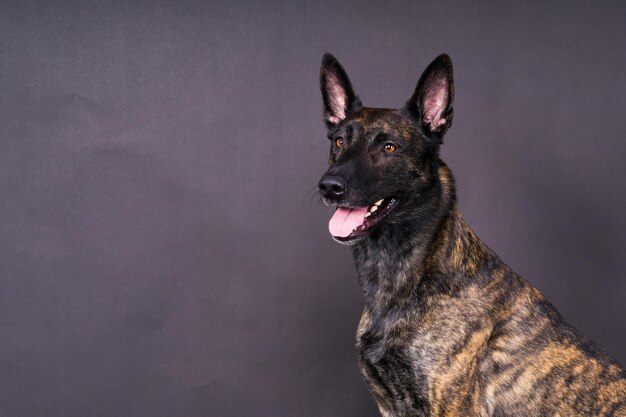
[[396, 377], [406, 363]]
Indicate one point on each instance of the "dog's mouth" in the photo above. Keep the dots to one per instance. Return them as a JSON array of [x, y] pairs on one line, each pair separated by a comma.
[[350, 224]]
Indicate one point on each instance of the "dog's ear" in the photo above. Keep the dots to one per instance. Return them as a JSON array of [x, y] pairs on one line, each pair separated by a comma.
[[431, 102], [339, 98]]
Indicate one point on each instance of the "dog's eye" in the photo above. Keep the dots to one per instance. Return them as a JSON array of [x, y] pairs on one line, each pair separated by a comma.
[[389, 147], [339, 142]]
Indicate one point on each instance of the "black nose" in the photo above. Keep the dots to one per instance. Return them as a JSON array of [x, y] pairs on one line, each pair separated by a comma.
[[332, 187]]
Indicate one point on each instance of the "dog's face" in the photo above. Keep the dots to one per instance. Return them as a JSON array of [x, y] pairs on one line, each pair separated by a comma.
[[381, 160]]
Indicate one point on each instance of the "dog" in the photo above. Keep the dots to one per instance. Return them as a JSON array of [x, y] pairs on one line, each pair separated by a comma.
[[447, 328]]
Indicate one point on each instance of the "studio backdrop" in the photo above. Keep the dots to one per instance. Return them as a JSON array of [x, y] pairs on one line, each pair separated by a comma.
[[163, 251]]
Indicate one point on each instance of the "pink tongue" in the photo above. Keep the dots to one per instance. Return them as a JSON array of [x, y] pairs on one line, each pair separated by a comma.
[[345, 220]]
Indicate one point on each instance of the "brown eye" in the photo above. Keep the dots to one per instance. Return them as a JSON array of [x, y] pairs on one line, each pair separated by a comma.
[[339, 142], [389, 147]]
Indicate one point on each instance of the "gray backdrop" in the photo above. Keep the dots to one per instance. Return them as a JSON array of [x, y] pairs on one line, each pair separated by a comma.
[[162, 249]]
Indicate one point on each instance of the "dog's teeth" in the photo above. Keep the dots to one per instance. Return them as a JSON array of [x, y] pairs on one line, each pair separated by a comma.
[[368, 214], [379, 202], [373, 209]]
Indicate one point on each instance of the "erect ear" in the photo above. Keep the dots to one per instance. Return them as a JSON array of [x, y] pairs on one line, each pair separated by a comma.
[[339, 98], [431, 102]]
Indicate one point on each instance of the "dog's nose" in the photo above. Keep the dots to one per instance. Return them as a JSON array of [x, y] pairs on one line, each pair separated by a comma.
[[332, 187]]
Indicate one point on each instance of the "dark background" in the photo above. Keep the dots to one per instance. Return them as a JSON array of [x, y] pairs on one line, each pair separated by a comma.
[[163, 252]]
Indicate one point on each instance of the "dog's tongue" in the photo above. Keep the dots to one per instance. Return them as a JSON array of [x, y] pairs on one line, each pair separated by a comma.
[[345, 220]]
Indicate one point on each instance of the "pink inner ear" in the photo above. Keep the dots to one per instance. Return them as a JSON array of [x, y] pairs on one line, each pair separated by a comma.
[[334, 120], [435, 103], [337, 99]]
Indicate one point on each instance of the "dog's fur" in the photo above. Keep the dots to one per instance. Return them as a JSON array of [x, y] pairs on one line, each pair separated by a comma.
[[447, 329]]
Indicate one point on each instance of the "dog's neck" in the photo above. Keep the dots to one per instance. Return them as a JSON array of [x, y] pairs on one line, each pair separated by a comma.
[[431, 251]]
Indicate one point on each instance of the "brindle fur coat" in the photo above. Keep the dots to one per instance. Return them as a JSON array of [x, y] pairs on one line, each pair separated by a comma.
[[448, 329]]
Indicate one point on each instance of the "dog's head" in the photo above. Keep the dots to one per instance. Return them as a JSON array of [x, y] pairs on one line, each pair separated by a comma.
[[381, 160]]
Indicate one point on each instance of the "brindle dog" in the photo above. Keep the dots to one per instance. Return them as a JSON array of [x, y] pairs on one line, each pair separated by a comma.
[[448, 329]]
